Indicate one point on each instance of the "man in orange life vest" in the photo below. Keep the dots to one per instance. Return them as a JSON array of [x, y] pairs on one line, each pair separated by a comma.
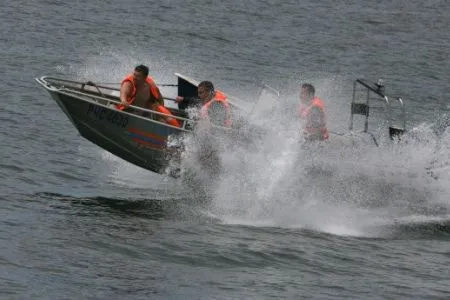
[[311, 111], [213, 104], [139, 89]]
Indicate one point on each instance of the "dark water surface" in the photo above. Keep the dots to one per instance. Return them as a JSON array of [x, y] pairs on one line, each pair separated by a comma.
[[78, 223]]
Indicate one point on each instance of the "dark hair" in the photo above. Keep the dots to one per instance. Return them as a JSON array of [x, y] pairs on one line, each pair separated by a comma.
[[310, 88], [207, 85], [143, 69]]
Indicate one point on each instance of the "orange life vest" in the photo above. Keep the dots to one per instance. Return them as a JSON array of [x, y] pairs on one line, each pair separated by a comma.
[[222, 99], [153, 90], [169, 120], [305, 111]]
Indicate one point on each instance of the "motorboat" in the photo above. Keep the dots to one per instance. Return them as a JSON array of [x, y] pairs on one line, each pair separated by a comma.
[[136, 135], [140, 137]]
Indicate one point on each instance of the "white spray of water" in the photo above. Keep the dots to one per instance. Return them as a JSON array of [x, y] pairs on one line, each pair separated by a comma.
[[338, 187]]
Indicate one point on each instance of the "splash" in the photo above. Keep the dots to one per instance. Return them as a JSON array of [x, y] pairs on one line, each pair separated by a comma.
[[346, 186]]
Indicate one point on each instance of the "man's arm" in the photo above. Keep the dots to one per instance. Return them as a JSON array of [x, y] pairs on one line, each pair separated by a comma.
[[155, 95], [125, 93]]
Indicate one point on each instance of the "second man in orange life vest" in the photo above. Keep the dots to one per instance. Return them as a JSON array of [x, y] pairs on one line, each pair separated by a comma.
[[311, 111], [213, 104]]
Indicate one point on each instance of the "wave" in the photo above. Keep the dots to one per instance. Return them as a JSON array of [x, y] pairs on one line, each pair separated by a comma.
[[419, 227], [144, 207]]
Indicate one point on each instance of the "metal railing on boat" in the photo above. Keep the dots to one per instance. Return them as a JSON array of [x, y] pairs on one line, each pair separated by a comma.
[[105, 99], [363, 108]]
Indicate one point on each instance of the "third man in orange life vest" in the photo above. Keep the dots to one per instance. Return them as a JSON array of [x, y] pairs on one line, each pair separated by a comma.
[[311, 111], [139, 89], [213, 104]]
